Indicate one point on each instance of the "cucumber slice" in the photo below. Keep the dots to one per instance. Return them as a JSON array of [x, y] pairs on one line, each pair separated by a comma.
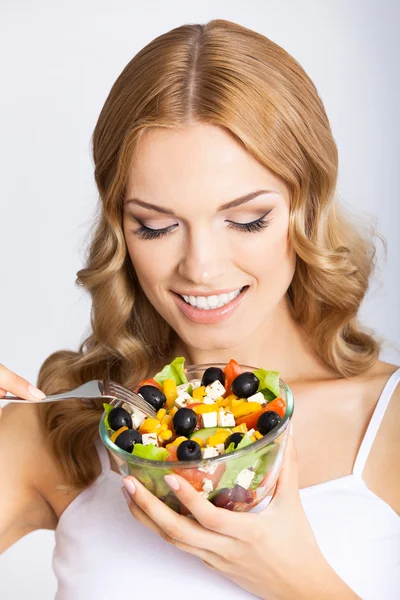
[[207, 432]]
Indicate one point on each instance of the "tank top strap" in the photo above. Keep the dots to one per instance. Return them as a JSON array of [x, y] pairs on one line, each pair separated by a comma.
[[375, 422]]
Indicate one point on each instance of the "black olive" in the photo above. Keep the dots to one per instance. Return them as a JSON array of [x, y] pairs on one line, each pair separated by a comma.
[[185, 421], [213, 374], [267, 421], [245, 385], [128, 438], [236, 438], [188, 450], [153, 395], [119, 417]]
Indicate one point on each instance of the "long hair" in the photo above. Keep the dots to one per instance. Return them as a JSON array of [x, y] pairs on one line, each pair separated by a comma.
[[223, 74]]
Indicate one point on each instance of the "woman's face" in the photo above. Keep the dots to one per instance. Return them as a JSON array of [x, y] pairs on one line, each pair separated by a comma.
[[190, 231]]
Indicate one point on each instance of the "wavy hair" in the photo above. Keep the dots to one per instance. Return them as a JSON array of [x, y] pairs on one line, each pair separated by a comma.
[[222, 74]]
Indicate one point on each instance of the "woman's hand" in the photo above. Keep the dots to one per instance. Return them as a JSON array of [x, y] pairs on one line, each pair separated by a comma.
[[272, 554], [16, 385]]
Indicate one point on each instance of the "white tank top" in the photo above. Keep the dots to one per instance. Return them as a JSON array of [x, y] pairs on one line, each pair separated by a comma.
[[102, 552]]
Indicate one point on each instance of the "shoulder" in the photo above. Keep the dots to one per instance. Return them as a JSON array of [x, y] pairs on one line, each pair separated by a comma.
[[23, 465], [29, 466]]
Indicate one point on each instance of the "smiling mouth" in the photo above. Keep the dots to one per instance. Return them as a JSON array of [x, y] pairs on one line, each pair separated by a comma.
[[212, 302]]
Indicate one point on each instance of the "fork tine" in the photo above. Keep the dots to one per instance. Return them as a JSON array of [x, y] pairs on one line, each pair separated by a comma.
[[125, 394]]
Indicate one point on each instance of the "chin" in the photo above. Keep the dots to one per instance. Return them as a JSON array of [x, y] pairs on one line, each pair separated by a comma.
[[210, 339]]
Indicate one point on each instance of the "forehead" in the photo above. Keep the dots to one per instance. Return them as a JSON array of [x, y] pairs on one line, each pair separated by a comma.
[[202, 162]]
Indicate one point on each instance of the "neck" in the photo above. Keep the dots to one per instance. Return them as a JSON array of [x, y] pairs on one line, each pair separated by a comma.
[[280, 344]]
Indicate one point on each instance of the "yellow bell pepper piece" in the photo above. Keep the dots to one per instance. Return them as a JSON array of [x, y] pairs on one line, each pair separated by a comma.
[[204, 408], [171, 392], [237, 402], [200, 442], [116, 433], [149, 425], [218, 438], [258, 435], [246, 409], [242, 428], [199, 393], [225, 401], [178, 440]]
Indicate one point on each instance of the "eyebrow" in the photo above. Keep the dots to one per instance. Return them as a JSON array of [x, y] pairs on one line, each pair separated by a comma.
[[231, 204]]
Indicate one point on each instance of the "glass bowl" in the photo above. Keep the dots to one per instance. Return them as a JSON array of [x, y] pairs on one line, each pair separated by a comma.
[[263, 456]]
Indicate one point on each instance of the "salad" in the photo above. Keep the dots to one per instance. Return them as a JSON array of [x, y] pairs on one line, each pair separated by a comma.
[[198, 421]]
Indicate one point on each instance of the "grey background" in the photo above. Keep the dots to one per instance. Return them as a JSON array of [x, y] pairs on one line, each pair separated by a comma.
[[58, 62]]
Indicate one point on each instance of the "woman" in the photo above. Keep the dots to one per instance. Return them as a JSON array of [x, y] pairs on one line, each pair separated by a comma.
[[217, 168]]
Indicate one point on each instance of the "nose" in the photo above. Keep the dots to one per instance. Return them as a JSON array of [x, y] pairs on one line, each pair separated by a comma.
[[204, 259]]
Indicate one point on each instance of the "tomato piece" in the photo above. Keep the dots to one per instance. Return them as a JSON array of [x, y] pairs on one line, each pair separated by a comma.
[[194, 476], [231, 371], [148, 382], [193, 404], [278, 405]]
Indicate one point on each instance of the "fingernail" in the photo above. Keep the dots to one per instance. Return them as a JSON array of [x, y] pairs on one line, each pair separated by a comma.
[[38, 394], [172, 482], [126, 496], [129, 485]]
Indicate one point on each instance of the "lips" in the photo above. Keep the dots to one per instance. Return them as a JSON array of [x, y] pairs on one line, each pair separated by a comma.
[[212, 315]]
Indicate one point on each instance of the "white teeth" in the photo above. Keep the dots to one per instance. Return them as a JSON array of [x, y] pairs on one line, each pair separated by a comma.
[[210, 302]]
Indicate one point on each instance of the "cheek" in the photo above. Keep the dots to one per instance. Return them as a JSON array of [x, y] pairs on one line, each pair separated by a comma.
[[151, 265], [270, 258]]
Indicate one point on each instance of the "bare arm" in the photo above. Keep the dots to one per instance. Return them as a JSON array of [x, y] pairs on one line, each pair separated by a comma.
[[22, 507]]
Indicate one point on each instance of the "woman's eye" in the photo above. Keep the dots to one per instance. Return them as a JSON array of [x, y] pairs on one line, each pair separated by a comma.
[[253, 226], [146, 233]]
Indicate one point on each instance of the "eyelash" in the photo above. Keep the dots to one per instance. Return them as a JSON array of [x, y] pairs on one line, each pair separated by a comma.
[[146, 233]]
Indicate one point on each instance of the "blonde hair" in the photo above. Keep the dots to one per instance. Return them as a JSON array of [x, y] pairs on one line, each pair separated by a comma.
[[226, 75]]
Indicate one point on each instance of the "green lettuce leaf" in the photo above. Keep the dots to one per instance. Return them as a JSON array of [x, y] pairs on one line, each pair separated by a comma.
[[151, 477], [269, 382], [259, 461], [235, 465], [150, 451], [190, 390], [108, 408], [172, 371]]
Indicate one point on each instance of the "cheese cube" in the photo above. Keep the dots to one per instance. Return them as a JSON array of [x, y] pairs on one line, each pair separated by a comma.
[[225, 419], [220, 448], [258, 397], [251, 432], [183, 400], [210, 469], [215, 389], [183, 387], [137, 418], [209, 452], [209, 419], [207, 485], [245, 478], [208, 400], [149, 438]]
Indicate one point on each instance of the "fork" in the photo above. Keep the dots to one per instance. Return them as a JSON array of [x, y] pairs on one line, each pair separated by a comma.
[[92, 390]]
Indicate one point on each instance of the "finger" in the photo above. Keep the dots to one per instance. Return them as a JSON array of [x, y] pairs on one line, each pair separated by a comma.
[[287, 485], [174, 526], [222, 521], [13, 383]]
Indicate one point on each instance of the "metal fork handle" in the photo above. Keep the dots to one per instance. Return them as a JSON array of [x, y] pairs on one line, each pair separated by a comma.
[[90, 390]]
